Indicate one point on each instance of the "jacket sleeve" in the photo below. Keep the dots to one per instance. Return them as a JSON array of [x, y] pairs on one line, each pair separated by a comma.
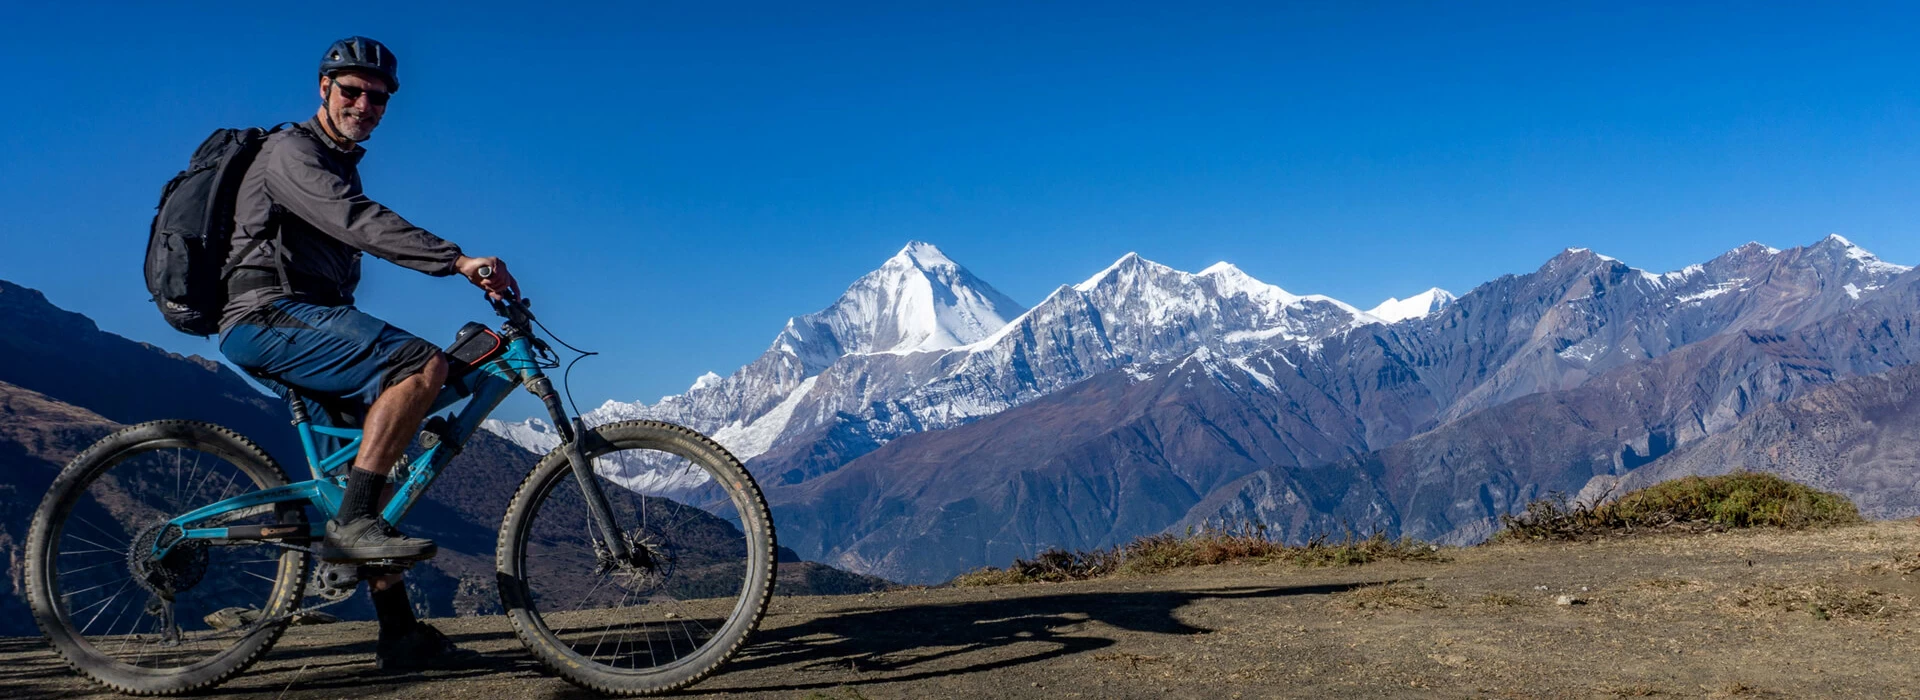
[[297, 179]]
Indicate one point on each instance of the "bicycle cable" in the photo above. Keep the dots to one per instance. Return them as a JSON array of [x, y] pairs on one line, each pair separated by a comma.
[[566, 377]]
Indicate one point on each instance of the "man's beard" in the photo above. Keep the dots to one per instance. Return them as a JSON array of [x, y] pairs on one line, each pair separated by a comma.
[[355, 130]]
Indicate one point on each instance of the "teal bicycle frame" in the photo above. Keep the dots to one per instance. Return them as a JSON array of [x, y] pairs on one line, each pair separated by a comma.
[[486, 385]]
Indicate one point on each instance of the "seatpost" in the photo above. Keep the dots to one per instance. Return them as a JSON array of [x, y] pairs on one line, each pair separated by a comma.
[[298, 408]]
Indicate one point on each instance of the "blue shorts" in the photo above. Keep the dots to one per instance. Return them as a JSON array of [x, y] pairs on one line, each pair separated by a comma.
[[336, 357]]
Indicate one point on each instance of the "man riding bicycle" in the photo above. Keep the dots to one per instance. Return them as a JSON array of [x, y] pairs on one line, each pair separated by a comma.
[[301, 226]]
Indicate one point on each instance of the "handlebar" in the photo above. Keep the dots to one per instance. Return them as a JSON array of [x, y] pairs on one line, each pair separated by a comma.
[[515, 310]]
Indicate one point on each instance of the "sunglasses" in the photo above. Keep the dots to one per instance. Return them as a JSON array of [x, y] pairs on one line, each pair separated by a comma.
[[353, 94]]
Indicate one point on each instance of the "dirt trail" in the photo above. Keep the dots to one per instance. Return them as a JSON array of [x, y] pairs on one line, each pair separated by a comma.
[[1822, 614]]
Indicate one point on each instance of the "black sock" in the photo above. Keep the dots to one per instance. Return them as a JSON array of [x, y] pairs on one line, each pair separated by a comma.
[[393, 609], [362, 497]]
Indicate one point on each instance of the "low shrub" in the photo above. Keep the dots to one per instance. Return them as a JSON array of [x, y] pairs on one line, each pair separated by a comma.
[[1166, 552], [1737, 500]]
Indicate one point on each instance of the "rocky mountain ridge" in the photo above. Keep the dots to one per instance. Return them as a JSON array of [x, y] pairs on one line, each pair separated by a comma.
[[799, 414], [1358, 429]]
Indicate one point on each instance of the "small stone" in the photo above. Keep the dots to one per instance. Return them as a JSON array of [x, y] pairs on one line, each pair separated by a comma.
[[314, 617], [231, 618], [1568, 600]]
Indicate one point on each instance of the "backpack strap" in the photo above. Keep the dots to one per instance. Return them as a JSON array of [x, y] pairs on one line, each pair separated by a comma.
[[278, 264]]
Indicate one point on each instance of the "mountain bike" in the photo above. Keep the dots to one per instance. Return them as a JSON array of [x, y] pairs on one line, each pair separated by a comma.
[[634, 558]]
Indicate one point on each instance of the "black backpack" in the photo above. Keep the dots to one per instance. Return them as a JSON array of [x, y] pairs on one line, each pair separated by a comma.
[[193, 231]]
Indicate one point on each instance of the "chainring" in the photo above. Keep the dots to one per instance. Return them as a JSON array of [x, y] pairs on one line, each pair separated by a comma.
[[334, 582]]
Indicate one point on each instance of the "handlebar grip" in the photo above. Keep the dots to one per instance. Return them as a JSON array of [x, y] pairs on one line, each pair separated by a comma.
[[485, 271]]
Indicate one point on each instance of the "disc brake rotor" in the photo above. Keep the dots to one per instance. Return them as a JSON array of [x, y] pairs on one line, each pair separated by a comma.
[[650, 567]]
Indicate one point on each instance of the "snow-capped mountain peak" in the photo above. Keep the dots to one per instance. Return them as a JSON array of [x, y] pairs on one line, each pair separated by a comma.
[[1395, 310], [1837, 244], [705, 380], [922, 255], [1128, 267], [534, 434], [919, 300], [1231, 280]]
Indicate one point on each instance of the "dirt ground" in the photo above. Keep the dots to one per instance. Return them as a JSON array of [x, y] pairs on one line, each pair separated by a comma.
[[1738, 615]]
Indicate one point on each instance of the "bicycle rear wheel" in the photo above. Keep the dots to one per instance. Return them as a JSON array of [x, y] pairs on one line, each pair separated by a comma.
[[704, 575], [147, 626]]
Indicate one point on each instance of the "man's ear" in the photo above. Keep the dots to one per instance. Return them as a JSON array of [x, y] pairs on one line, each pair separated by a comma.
[[326, 88]]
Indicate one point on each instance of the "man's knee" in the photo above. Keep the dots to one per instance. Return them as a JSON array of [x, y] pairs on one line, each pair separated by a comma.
[[436, 370], [416, 359]]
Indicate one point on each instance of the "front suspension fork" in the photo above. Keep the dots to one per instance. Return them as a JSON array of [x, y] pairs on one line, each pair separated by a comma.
[[573, 434]]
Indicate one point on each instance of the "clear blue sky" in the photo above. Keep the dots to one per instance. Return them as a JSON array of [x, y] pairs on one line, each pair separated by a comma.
[[672, 183]]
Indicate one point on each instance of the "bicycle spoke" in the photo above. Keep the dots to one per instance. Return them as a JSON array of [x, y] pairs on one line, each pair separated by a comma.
[[589, 596], [610, 622], [103, 547], [193, 495], [103, 608], [95, 588], [96, 528], [178, 495], [229, 488], [88, 568]]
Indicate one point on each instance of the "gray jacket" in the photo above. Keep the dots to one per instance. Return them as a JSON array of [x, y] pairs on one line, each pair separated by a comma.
[[300, 214]]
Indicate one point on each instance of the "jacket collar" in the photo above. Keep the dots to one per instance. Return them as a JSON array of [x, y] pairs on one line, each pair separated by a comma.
[[352, 153]]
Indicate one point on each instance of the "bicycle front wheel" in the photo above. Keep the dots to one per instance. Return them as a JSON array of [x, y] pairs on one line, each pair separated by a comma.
[[671, 615]]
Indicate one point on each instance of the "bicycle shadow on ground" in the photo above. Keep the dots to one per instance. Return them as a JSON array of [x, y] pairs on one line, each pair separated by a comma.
[[38, 677], [894, 645], [850, 648], [33, 671]]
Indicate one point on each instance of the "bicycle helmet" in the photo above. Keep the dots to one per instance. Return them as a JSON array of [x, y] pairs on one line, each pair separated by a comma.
[[361, 53]]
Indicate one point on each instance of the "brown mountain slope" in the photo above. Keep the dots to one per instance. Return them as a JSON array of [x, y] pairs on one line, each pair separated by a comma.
[[1094, 465], [37, 437], [1860, 436], [1452, 482], [65, 356]]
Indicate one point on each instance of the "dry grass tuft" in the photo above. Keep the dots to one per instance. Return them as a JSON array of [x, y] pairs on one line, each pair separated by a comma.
[[1665, 584], [1502, 600], [1738, 500], [1821, 601], [1641, 690], [1392, 596], [1158, 553]]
